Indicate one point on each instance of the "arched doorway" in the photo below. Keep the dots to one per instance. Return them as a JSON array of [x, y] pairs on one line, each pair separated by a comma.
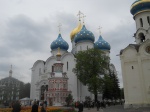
[[43, 89]]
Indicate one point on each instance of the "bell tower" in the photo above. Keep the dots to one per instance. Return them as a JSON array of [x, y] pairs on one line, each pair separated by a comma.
[[140, 10]]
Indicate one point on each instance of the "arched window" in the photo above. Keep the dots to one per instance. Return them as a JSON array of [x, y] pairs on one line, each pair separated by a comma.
[[148, 20], [67, 66], [57, 86], [141, 37], [141, 22], [132, 67]]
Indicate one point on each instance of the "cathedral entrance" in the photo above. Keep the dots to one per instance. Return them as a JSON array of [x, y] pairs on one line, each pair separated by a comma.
[[43, 89]]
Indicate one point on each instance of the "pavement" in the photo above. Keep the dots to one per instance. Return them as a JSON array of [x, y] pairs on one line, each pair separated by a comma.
[[117, 108]]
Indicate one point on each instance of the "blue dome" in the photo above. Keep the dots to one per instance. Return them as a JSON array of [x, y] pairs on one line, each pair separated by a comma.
[[140, 6], [59, 42], [102, 44], [84, 35]]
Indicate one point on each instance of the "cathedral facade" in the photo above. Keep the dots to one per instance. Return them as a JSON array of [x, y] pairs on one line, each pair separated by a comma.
[[52, 80], [135, 59]]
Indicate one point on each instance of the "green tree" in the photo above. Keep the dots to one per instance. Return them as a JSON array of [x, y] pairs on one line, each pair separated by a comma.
[[27, 90], [69, 99], [90, 65], [116, 87], [121, 93], [107, 87], [21, 90], [111, 89], [24, 90]]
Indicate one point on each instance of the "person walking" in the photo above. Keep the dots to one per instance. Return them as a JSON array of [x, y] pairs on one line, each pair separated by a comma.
[[34, 107], [98, 105], [80, 107], [16, 107], [43, 108]]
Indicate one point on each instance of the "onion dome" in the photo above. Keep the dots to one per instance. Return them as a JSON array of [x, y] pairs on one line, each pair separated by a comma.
[[102, 44], [84, 35], [140, 6], [75, 31], [59, 43]]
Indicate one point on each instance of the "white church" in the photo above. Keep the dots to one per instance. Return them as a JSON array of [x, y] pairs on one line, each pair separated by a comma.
[[135, 59], [52, 80]]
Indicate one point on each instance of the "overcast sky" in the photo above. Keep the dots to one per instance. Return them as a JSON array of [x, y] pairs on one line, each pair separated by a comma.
[[27, 28]]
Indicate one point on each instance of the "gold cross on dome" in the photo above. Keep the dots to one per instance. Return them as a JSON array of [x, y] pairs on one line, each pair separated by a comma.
[[79, 14], [83, 17], [59, 26], [99, 28]]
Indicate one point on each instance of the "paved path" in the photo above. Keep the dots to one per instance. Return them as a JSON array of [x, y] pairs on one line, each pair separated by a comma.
[[117, 108]]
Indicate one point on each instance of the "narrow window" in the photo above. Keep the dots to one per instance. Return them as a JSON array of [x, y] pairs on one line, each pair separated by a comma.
[[141, 37], [80, 48], [132, 67], [52, 68], [148, 20], [39, 71], [87, 47], [141, 22], [64, 86], [67, 65]]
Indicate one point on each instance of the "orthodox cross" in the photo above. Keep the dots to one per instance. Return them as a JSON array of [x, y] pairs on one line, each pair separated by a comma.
[[11, 67], [99, 28], [79, 14], [59, 26], [83, 17]]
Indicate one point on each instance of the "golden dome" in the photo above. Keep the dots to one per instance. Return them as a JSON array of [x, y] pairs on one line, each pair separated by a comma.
[[75, 31]]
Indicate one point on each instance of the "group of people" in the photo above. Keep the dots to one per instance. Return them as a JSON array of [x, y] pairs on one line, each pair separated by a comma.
[[35, 106], [92, 104], [16, 106]]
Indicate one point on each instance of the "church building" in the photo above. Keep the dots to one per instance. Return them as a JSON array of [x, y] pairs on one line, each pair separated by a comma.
[[53, 80], [9, 88], [135, 59]]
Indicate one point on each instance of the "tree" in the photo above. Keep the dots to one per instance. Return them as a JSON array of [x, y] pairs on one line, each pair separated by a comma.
[[90, 65], [116, 88], [111, 89], [24, 90], [69, 99], [108, 87]]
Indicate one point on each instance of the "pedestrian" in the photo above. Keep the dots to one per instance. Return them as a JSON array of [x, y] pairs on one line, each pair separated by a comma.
[[43, 108], [16, 107], [98, 105], [80, 107], [34, 107]]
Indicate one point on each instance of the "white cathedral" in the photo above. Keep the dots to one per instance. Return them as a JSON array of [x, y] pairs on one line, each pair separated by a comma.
[[135, 59], [52, 80]]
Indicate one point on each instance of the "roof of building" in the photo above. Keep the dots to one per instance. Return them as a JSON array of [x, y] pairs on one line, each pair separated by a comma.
[[102, 44], [140, 6], [59, 43], [135, 46], [84, 35]]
